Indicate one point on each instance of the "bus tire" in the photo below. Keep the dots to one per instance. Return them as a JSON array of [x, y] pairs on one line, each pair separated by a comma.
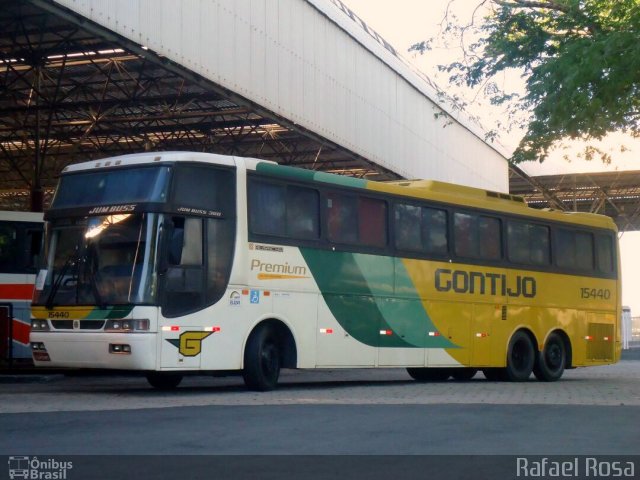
[[429, 374], [262, 360], [551, 360], [164, 381], [463, 374], [521, 357]]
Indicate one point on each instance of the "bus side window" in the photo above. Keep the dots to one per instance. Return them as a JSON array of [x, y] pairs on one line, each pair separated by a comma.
[[575, 249], [465, 238], [566, 253], [342, 218], [540, 243], [267, 208], [185, 247], [8, 248], [604, 252], [303, 213], [477, 236], [407, 227], [184, 287], [528, 243], [490, 238], [518, 242], [421, 229], [584, 250], [34, 243], [372, 222], [175, 245], [220, 234], [434, 230], [192, 242]]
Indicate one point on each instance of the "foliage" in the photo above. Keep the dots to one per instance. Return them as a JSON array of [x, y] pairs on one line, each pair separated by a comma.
[[580, 60]]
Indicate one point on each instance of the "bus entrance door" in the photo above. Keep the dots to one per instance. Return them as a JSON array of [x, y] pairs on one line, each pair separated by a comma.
[[181, 347]]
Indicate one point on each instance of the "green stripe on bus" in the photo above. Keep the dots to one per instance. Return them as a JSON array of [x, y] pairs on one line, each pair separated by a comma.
[[341, 180], [359, 291], [282, 171], [292, 173]]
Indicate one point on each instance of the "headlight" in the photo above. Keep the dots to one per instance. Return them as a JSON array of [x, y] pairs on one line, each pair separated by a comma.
[[39, 325], [124, 326]]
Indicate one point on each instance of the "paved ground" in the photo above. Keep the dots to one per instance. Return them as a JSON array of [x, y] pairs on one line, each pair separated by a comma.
[[612, 385], [328, 430], [325, 424]]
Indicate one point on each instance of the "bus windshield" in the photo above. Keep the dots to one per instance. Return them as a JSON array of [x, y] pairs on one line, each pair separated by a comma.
[[108, 187], [102, 260]]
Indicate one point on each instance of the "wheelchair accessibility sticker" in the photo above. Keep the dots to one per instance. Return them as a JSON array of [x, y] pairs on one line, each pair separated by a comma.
[[254, 296]]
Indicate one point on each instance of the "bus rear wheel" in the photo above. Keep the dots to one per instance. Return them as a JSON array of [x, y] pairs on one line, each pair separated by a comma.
[[164, 381], [551, 361], [521, 357], [429, 374], [262, 360]]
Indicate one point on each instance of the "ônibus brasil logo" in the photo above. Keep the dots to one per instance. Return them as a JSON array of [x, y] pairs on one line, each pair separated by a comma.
[[33, 468]]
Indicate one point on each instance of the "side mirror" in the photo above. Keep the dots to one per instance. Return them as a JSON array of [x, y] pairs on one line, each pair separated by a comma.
[[166, 233]]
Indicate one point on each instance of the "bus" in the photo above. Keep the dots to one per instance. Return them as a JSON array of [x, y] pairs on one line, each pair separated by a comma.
[[176, 263], [20, 243]]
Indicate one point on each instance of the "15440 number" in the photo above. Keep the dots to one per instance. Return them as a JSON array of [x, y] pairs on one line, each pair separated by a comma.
[[595, 293]]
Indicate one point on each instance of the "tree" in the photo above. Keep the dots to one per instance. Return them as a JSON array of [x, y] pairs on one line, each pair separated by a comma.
[[580, 60]]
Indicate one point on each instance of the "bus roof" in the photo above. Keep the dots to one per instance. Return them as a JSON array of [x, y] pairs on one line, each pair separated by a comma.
[[433, 190], [153, 157]]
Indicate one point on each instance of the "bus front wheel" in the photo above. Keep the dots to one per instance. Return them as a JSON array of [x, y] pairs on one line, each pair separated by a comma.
[[551, 361], [521, 357], [164, 381], [262, 360]]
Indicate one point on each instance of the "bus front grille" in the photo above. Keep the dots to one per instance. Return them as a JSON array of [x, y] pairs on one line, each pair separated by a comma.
[[80, 324]]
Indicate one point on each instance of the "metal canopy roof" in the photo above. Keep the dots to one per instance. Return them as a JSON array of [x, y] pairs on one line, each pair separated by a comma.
[[74, 91], [615, 194]]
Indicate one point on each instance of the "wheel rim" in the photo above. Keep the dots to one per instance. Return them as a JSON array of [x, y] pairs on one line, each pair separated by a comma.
[[553, 356]]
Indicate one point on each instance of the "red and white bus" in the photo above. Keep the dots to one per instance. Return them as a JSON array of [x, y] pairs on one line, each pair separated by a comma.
[[20, 244]]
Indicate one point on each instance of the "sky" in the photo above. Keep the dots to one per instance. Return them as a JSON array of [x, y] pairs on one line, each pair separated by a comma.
[[405, 22]]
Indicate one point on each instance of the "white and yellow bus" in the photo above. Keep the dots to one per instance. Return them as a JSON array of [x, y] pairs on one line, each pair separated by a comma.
[[174, 263]]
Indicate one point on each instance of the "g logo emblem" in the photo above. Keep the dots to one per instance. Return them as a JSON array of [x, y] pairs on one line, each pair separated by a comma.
[[191, 343]]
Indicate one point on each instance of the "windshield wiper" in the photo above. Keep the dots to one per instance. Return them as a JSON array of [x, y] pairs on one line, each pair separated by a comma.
[[96, 292], [58, 281], [88, 275]]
